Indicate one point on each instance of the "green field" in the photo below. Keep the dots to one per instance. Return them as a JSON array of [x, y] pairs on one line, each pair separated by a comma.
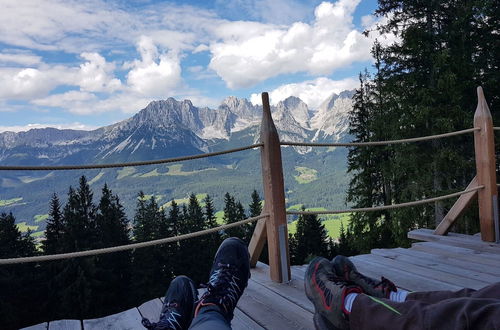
[[306, 174], [40, 217], [23, 227], [332, 225], [37, 234], [177, 170], [127, 171], [181, 201], [7, 202], [96, 178]]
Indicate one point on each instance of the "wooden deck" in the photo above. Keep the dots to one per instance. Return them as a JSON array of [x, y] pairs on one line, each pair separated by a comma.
[[440, 263]]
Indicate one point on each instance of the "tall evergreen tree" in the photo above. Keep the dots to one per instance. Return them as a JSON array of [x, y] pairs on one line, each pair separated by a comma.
[[213, 240], [78, 278], [233, 212], [311, 238], [113, 270], [150, 275], [16, 291], [54, 230]]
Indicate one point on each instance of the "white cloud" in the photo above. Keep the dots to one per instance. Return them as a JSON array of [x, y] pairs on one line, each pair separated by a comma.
[[96, 75], [154, 75], [24, 128], [20, 58], [312, 92], [248, 53], [68, 99]]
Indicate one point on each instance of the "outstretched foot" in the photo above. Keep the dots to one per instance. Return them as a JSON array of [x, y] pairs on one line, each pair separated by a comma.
[[228, 277], [327, 292], [178, 306], [345, 269]]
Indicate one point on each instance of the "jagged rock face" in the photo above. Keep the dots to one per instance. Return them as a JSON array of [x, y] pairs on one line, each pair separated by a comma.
[[170, 128], [331, 121]]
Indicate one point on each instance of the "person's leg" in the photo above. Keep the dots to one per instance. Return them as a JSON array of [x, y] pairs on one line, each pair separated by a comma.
[[490, 291], [455, 313], [178, 306], [228, 279]]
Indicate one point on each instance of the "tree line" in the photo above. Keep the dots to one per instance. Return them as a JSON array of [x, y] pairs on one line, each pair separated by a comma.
[[422, 84], [96, 286]]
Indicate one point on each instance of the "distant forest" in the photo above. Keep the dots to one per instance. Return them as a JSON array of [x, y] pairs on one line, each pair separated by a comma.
[[90, 287]]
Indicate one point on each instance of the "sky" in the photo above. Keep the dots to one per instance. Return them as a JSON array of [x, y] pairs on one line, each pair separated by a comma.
[[85, 64]]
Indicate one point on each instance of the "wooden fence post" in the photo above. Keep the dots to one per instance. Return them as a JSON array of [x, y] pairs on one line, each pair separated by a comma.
[[274, 196], [485, 166]]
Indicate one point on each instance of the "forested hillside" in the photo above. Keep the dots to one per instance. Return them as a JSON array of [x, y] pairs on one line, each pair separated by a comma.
[[424, 84]]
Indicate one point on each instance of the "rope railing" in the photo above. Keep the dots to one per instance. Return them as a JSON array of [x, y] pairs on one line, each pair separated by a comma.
[[141, 163], [388, 207], [88, 253], [379, 143], [496, 128]]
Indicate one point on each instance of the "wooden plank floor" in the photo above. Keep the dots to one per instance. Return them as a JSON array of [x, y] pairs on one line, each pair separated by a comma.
[[439, 263]]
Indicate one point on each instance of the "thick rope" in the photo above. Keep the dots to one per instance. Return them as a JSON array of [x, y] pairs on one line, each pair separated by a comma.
[[380, 143], [496, 128], [142, 163], [388, 207], [88, 253]]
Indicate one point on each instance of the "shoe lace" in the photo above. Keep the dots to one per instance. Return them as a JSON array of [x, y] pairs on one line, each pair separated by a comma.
[[169, 318], [223, 287], [384, 284]]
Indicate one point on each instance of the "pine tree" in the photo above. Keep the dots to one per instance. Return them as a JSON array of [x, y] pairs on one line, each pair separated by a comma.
[[78, 277], [54, 230], [150, 276], [213, 240], [255, 209], [113, 270], [311, 238], [16, 280], [233, 212], [195, 259]]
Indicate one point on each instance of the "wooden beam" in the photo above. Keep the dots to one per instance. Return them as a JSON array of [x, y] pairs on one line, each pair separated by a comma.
[[274, 195], [457, 209], [485, 165], [258, 241]]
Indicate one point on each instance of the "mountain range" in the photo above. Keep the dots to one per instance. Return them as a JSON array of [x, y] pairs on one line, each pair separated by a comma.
[[170, 128]]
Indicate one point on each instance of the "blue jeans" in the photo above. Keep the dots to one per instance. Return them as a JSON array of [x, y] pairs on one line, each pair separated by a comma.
[[210, 318]]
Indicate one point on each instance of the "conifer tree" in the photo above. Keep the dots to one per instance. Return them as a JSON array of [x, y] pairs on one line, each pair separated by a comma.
[[16, 280], [150, 275], [78, 277], [54, 229], [213, 240], [114, 270], [311, 238], [233, 212], [255, 209]]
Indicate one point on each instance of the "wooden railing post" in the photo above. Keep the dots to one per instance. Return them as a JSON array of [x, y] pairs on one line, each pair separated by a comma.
[[485, 165], [274, 196]]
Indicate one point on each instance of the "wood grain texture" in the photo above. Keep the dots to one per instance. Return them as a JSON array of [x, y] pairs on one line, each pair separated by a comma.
[[457, 209], [41, 326], [65, 325], [402, 278], [151, 309], [484, 146], [274, 194], [258, 241], [477, 245], [127, 320]]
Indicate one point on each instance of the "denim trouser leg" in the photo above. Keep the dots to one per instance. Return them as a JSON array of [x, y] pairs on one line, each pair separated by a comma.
[[210, 318]]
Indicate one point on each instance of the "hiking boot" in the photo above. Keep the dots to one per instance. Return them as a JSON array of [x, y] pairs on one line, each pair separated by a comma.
[[327, 292], [178, 306], [228, 277], [345, 269]]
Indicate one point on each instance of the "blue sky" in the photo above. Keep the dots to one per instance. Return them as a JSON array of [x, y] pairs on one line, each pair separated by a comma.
[[85, 64]]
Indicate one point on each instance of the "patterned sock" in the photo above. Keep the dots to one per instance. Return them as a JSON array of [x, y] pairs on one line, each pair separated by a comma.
[[398, 296], [349, 300]]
